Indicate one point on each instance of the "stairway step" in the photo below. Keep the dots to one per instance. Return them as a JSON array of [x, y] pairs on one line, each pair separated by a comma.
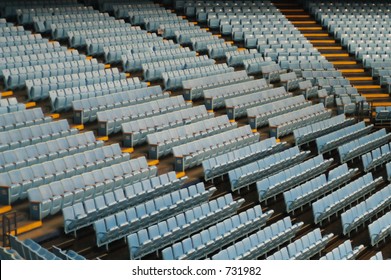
[[375, 95], [6, 93], [359, 79], [343, 62], [347, 71], [328, 41], [297, 16], [334, 52], [309, 28], [304, 22], [335, 55], [26, 227], [368, 87], [5, 209], [316, 35], [356, 75], [328, 48], [381, 104]]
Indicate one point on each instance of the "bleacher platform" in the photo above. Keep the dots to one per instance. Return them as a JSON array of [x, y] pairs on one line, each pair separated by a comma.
[[182, 130]]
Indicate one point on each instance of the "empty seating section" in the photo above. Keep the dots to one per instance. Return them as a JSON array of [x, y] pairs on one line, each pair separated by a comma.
[[287, 179], [304, 248], [39, 59], [110, 121], [250, 173], [38, 89], [346, 91], [376, 157], [46, 151], [286, 123], [237, 106], [95, 46], [43, 23], [378, 256], [315, 188], [8, 41], [218, 50], [271, 71], [122, 9], [313, 75], [85, 213], [237, 58], [340, 199], [152, 23], [383, 114], [194, 88], [17, 77], [215, 97], [176, 228], [25, 15], [153, 211], [365, 33], [133, 62], [334, 139], [61, 99], [376, 64], [66, 255], [259, 116], [308, 65], [261, 242], [162, 142], [185, 36], [380, 229], [51, 198], [325, 98], [174, 79], [366, 210], [254, 65], [39, 48], [154, 70], [30, 250], [290, 49], [191, 31], [199, 245], [9, 254], [194, 153], [253, 58], [306, 134], [126, 53], [16, 183], [13, 31], [345, 251], [385, 79], [348, 104], [85, 110], [222, 164], [290, 81], [9, 105], [356, 148], [60, 30], [136, 132], [25, 136], [167, 30], [4, 23], [331, 84]]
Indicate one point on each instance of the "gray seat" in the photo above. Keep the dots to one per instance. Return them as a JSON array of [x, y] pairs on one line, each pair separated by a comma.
[[291, 177], [152, 211]]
